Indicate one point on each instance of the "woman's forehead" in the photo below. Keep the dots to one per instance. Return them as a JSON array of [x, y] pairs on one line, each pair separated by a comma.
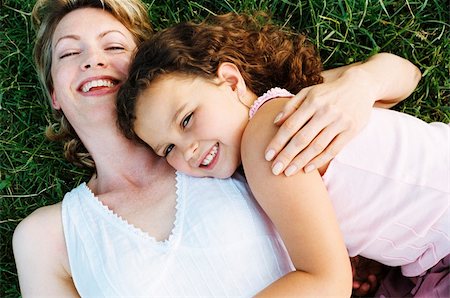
[[88, 21]]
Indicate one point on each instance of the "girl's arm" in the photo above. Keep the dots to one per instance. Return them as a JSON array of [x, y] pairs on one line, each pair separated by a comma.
[[332, 113], [41, 256], [301, 211]]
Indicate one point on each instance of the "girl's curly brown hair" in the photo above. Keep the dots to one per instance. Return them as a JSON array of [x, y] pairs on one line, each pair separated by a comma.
[[265, 54]]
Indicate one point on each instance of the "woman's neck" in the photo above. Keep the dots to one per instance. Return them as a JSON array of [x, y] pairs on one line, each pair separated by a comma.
[[120, 162]]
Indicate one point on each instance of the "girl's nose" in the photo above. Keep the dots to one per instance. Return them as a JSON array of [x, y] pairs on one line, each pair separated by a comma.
[[190, 150]]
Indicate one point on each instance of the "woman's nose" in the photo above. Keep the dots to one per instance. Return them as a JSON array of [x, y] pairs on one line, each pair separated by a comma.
[[94, 60]]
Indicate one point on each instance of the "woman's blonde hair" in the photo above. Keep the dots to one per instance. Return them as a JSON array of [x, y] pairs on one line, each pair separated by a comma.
[[46, 16]]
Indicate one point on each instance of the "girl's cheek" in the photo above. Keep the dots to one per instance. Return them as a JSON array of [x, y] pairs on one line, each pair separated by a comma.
[[172, 162], [179, 164]]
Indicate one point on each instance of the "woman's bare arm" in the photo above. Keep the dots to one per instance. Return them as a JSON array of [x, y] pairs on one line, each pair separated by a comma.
[[393, 78], [321, 119], [41, 256]]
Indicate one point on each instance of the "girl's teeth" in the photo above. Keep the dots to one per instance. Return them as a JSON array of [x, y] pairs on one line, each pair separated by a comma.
[[210, 156]]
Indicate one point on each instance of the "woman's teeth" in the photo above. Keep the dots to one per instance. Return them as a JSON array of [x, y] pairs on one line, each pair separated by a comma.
[[97, 83], [210, 155]]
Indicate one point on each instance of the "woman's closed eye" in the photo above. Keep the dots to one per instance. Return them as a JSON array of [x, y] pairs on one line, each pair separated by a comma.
[[115, 48], [68, 54]]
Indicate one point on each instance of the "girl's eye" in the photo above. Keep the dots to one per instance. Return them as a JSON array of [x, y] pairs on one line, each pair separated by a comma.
[[168, 149], [186, 120]]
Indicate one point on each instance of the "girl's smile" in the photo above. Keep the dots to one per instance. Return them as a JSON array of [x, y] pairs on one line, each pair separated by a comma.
[[211, 158], [199, 133]]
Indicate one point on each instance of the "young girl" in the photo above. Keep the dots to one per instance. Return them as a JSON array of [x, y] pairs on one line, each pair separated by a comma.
[[190, 94]]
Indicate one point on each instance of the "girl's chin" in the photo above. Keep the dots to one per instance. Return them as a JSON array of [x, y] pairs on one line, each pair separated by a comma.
[[224, 175]]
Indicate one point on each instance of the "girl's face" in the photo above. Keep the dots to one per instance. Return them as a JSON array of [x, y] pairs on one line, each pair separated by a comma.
[[197, 124], [91, 52]]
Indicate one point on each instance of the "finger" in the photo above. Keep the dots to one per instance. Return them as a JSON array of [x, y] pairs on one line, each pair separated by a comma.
[[318, 152], [286, 131], [364, 288], [360, 289], [291, 106], [301, 140], [329, 153], [372, 280]]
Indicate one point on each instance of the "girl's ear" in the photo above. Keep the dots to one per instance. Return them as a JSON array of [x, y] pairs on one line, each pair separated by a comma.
[[229, 74], [55, 103]]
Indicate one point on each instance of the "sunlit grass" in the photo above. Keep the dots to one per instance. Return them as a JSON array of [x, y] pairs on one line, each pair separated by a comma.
[[32, 171]]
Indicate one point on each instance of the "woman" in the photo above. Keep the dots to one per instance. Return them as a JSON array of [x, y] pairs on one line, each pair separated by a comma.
[[82, 64]]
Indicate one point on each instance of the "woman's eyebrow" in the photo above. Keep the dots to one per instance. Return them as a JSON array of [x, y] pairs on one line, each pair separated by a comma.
[[103, 34], [77, 37], [70, 36]]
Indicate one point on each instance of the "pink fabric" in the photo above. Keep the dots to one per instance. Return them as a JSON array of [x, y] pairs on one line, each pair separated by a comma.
[[272, 93], [391, 192]]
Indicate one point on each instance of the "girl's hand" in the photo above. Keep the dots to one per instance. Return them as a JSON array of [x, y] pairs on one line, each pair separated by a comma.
[[367, 275], [318, 122]]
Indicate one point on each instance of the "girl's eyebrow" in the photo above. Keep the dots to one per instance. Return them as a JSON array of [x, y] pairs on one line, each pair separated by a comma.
[[178, 112], [174, 121]]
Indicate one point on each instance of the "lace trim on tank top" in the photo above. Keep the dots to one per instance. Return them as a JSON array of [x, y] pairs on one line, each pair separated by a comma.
[[272, 93], [119, 220]]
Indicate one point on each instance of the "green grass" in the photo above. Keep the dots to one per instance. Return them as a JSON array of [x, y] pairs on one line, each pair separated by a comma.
[[32, 171]]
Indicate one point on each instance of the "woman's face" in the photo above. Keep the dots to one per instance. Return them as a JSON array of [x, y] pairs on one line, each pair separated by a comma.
[[91, 52]]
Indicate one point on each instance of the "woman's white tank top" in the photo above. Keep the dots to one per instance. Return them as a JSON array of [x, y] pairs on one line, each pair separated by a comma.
[[222, 244]]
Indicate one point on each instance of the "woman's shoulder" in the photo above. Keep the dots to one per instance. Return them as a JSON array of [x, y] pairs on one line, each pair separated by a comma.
[[43, 225], [41, 256], [40, 233]]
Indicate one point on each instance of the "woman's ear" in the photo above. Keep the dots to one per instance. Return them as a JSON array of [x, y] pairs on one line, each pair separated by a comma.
[[55, 103]]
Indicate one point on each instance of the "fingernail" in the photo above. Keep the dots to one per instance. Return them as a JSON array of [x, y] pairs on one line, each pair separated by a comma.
[[277, 168], [310, 168], [278, 118], [290, 170], [269, 154]]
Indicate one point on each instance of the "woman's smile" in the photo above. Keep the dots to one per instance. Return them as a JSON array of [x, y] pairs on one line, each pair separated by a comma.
[[99, 85]]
